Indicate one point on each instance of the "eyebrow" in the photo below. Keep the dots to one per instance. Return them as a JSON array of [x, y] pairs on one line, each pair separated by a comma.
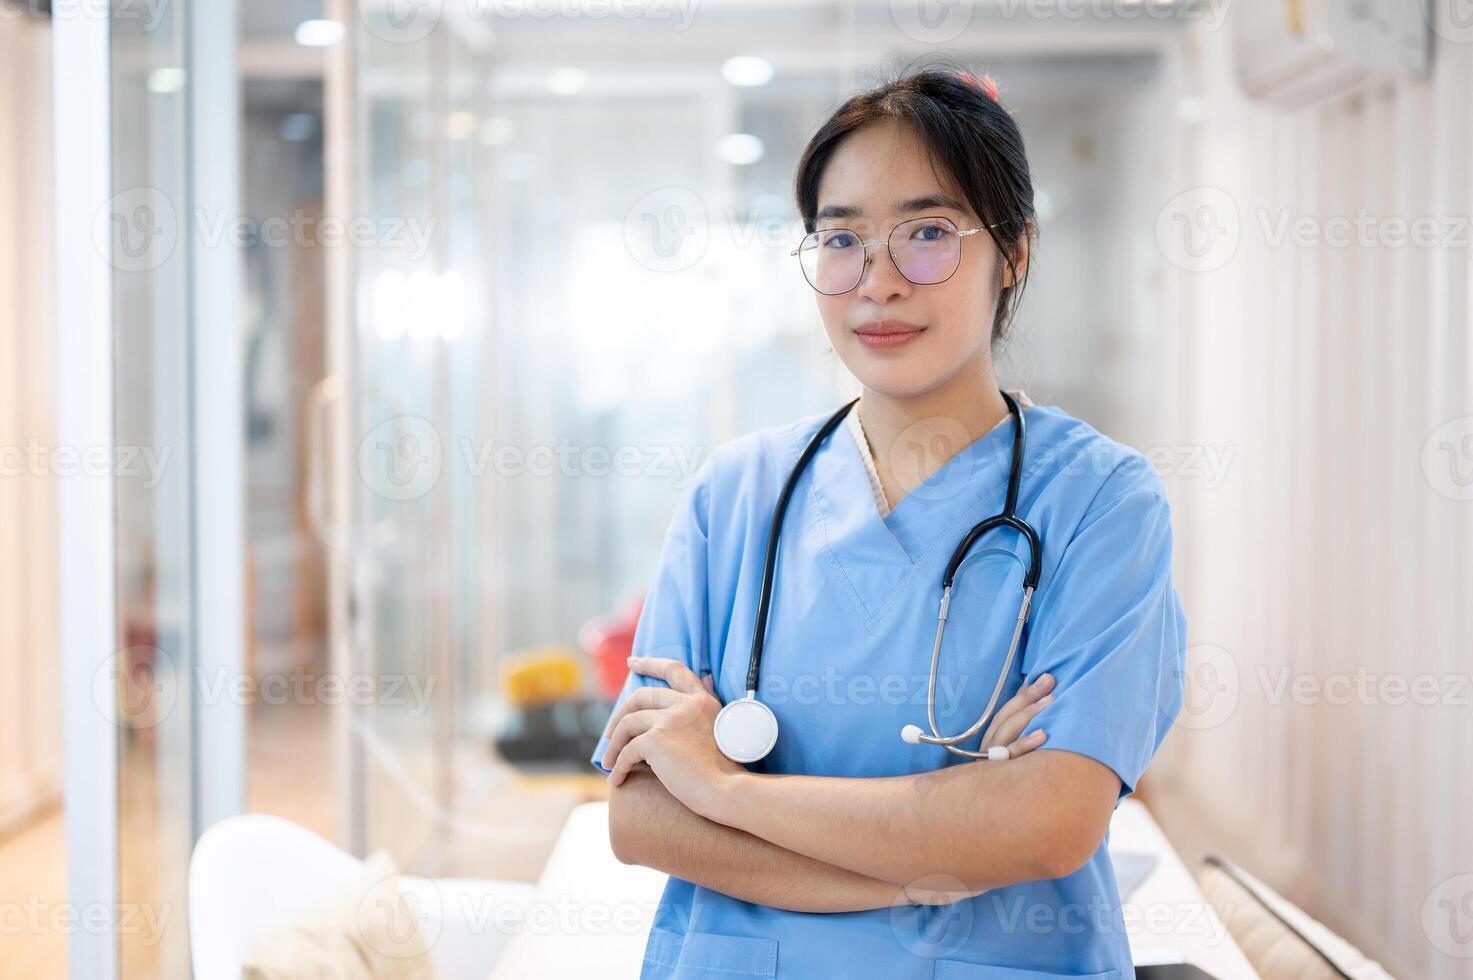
[[925, 202]]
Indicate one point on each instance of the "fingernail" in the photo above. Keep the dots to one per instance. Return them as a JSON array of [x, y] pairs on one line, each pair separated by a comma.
[[1045, 699], [629, 660], [1038, 735], [1043, 680]]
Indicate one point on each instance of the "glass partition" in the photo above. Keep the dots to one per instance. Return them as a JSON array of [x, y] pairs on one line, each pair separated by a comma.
[[149, 215]]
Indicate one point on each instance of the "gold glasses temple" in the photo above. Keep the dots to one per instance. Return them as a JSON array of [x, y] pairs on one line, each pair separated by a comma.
[[885, 241]]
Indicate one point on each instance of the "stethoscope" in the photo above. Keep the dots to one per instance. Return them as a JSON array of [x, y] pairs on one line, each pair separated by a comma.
[[746, 729]]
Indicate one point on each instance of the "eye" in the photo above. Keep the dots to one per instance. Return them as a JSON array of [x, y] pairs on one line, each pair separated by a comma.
[[931, 232], [839, 239]]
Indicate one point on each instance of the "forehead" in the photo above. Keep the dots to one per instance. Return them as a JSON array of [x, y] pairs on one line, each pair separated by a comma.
[[880, 167]]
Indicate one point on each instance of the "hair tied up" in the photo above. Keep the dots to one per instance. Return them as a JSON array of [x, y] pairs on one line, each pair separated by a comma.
[[986, 83]]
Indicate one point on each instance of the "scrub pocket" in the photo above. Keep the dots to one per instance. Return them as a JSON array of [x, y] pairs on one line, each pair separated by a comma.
[[710, 956], [960, 970]]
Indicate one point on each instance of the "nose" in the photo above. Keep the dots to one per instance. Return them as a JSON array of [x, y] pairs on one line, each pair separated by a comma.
[[880, 281]]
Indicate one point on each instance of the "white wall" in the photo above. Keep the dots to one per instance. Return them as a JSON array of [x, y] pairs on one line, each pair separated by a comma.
[[1333, 546], [30, 722]]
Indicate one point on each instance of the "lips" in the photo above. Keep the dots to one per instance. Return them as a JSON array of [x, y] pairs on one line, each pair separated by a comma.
[[881, 328], [887, 334]]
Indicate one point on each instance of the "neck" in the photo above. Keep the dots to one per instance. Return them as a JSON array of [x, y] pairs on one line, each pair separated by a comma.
[[912, 437]]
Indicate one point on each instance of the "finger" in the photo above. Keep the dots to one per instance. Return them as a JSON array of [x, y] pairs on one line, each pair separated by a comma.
[[1026, 695], [650, 696], [632, 726], [710, 681], [1027, 743], [1029, 694], [1013, 727], [632, 753], [672, 672]]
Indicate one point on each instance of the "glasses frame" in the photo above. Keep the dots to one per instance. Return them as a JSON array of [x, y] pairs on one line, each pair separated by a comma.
[[961, 233]]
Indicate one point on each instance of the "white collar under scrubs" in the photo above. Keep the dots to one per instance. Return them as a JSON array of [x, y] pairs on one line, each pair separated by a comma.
[[846, 663]]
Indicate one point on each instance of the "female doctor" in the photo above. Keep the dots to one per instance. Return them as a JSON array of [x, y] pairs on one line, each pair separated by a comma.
[[836, 846]]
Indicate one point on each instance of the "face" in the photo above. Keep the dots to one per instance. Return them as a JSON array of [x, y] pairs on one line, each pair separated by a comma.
[[878, 177]]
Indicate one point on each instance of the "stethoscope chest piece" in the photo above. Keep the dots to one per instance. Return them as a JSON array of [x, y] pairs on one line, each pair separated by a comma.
[[746, 729]]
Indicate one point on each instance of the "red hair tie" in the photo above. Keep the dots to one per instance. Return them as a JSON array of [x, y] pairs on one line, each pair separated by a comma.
[[986, 83]]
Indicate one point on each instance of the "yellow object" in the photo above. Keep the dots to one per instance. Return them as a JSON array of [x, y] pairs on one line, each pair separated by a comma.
[[540, 675]]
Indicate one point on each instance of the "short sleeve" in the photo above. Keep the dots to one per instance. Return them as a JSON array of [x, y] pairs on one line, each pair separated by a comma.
[[1110, 628], [672, 621]]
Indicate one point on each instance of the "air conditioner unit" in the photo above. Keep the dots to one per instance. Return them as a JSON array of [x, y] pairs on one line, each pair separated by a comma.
[[1293, 52]]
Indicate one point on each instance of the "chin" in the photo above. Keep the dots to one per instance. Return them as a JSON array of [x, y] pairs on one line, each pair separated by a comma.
[[897, 380]]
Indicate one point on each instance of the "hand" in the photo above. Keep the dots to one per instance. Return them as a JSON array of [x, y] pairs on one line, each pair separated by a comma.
[[1009, 720], [671, 729]]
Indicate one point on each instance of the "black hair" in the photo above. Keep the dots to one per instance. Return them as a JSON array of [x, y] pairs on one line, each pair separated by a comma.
[[968, 132]]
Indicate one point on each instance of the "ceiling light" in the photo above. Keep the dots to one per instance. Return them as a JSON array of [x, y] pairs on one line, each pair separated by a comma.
[[747, 69], [319, 33]]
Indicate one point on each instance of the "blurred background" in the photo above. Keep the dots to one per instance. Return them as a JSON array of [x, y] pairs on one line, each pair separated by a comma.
[[353, 357]]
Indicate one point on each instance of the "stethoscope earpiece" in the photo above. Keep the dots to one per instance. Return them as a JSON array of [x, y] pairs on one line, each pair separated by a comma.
[[746, 729]]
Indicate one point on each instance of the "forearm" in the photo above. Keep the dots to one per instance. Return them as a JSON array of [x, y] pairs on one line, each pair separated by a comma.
[[650, 827], [975, 826]]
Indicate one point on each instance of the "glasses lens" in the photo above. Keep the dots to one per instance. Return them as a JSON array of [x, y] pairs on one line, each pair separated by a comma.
[[832, 260], [926, 250]]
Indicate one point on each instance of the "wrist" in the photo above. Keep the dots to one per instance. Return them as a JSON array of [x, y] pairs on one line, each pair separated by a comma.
[[729, 796]]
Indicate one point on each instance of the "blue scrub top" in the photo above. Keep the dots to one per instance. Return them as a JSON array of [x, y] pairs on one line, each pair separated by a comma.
[[846, 662]]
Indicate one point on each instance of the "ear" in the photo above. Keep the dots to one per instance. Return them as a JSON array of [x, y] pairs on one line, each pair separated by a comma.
[[1020, 261]]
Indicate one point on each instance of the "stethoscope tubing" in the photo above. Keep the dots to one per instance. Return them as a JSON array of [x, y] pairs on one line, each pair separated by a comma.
[[764, 602], [1008, 518]]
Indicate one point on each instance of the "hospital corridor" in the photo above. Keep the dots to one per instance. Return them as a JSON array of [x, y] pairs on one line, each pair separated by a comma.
[[699, 489]]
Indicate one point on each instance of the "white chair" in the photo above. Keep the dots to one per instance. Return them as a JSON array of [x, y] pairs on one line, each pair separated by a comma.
[[253, 873]]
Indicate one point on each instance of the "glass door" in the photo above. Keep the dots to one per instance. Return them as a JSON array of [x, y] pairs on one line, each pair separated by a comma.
[[408, 542]]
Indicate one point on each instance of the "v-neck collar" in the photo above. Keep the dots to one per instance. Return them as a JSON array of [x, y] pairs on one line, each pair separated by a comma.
[[866, 452], [875, 557]]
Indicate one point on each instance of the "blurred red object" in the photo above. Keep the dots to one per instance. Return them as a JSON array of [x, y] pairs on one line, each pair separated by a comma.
[[608, 641]]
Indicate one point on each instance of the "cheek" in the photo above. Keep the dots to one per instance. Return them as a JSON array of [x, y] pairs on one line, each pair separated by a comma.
[[976, 279], [967, 299], [832, 310]]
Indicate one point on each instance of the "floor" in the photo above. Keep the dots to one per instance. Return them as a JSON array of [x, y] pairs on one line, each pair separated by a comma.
[[32, 886]]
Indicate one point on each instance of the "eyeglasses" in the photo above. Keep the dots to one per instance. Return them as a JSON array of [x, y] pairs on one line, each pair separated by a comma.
[[926, 251]]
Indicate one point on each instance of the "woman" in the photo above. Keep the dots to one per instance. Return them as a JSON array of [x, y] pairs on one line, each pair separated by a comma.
[[846, 851]]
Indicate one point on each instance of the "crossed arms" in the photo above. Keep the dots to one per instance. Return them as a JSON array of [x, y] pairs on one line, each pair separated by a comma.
[[837, 844]]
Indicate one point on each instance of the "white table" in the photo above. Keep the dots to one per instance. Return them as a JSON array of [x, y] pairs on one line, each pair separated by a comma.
[[591, 914], [1166, 917]]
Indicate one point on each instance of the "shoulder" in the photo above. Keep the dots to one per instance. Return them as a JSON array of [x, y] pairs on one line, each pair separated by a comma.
[[1098, 503], [771, 448], [747, 472], [1085, 472]]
